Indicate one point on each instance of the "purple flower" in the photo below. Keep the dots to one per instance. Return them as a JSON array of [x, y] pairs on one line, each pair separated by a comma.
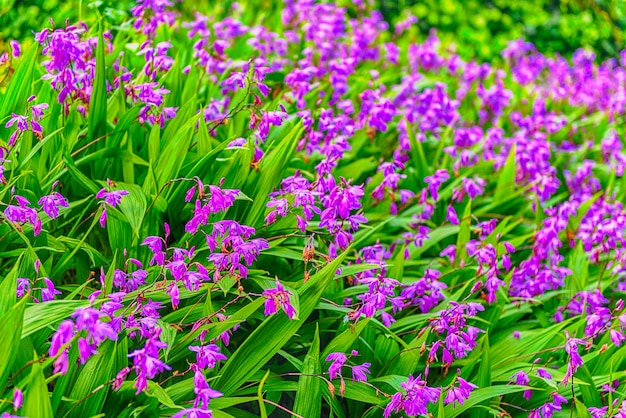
[[112, 198], [23, 214], [18, 398], [193, 413], [338, 360], [452, 216], [61, 337], [203, 392], [359, 373], [85, 350], [575, 360], [459, 394], [521, 378], [278, 297], [435, 181], [47, 293], [543, 373], [207, 356], [50, 204], [415, 400], [155, 244], [146, 361], [15, 48], [23, 286]]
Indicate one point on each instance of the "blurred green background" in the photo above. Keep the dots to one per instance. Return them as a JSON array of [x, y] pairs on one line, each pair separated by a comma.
[[480, 29]]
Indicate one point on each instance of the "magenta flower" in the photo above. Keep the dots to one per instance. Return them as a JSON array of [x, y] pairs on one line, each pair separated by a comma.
[[575, 360], [459, 394], [207, 356], [47, 293], [338, 360], [18, 399], [543, 373], [203, 392], [193, 413], [452, 216], [50, 204], [23, 214], [359, 373], [146, 361], [23, 287], [15, 48], [278, 297], [112, 198], [415, 399]]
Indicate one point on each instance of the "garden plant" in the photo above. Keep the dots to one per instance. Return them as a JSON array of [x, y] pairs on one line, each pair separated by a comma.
[[306, 209]]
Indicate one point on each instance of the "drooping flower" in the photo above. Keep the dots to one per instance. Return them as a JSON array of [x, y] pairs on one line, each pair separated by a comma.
[[415, 399], [278, 297], [459, 393]]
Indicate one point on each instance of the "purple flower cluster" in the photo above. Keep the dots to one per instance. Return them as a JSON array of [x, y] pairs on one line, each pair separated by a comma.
[[97, 331], [415, 399], [459, 338], [70, 64], [111, 198], [278, 297], [27, 123], [338, 359]]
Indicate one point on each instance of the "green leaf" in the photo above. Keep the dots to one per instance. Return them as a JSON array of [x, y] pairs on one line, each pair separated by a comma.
[[581, 409], [464, 232], [79, 176], [8, 287], [156, 391], [270, 169], [484, 373], [589, 393], [418, 157], [86, 388], [11, 331], [20, 86], [177, 143], [47, 315], [480, 395], [260, 398], [273, 333], [506, 179], [346, 339], [98, 103], [204, 140], [308, 401], [133, 206], [36, 395]]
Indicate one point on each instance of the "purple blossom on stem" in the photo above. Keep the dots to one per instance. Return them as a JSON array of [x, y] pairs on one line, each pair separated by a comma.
[[278, 297], [207, 356], [23, 286], [575, 360], [18, 398], [48, 292], [146, 361], [459, 394], [50, 204], [415, 399], [112, 198], [360, 372], [338, 360]]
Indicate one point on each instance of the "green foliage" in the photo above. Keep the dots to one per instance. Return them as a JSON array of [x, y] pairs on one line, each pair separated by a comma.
[[278, 365], [481, 29]]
